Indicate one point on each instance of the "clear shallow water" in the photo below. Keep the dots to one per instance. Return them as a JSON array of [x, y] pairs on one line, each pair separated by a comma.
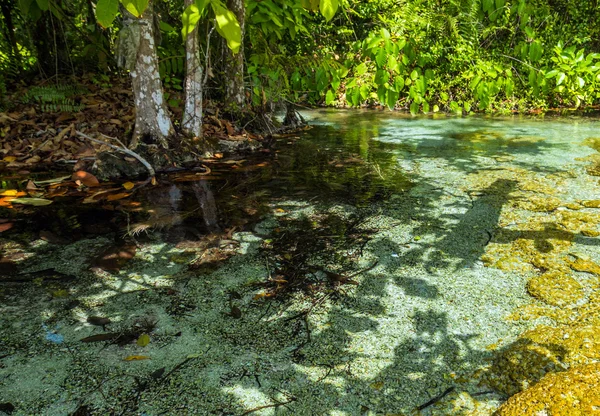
[[424, 198]]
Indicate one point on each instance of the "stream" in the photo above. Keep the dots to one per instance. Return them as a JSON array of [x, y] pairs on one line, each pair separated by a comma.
[[374, 264]]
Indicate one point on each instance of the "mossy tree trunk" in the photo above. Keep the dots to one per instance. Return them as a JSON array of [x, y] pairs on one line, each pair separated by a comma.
[[235, 97], [192, 112], [152, 119]]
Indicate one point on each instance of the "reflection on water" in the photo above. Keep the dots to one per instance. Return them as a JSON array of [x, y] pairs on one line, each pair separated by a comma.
[[352, 157]]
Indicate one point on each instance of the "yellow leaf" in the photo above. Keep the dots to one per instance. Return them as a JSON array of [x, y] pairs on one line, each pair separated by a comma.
[[136, 357], [9, 159], [143, 340], [377, 385], [9, 192], [128, 185]]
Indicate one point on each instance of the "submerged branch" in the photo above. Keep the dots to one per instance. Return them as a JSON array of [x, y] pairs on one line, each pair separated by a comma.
[[122, 149]]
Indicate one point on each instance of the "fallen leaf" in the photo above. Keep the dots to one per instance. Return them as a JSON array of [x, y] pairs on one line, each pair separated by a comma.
[[128, 185], [116, 197], [5, 202], [9, 192], [136, 357], [5, 226], [51, 181], [31, 186], [85, 178], [143, 340], [34, 159], [9, 159], [36, 202]]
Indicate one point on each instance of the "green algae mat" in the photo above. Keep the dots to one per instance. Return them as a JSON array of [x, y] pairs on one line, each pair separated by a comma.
[[376, 264]]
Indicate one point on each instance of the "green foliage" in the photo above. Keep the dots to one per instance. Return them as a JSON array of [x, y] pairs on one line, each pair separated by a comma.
[[577, 76], [276, 19], [54, 98], [226, 23]]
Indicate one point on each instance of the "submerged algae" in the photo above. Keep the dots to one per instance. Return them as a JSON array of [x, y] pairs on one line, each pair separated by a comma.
[[571, 393], [555, 288]]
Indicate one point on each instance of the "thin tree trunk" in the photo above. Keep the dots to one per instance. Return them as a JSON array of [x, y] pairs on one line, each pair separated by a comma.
[[192, 112], [235, 97], [152, 119]]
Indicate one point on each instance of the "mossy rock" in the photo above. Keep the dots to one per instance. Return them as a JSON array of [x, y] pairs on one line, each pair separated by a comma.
[[571, 393], [555, 288]]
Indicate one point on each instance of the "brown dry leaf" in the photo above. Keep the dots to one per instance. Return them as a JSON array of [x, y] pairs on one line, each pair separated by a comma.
[[5, 226], [33, 159], [57, 192], [64, 132], [116, 197], [85, 178], [115, 121], [31, 186]]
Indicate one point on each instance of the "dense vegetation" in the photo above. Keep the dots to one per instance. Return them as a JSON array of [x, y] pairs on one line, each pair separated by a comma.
[[421, 55]]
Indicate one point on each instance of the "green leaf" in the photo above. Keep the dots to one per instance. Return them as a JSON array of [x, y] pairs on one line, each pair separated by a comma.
[[392, 98], [552, 73], [561, 78], [361, 69], [535, 51], [381, 58], [381, 77], [414, 108], [330, 97], [425, 107], [43, 4], [414, 74], [191, 16], [399, 84], [474, 82], [106, 11], [393, 64], [36, 202], [328, 8], [135, 7], [228, 26], [581, 82]]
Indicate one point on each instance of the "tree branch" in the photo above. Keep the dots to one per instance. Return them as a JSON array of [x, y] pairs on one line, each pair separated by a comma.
[[122, 149]]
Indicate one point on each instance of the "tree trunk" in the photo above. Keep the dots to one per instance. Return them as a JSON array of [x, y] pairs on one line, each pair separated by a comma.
[[152, 120], [235, 97], [192, 112]]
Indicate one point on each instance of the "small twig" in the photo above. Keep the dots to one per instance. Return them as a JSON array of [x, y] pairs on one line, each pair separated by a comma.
[[122, 149], [269, 406], [436, 398], [207, 56]]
